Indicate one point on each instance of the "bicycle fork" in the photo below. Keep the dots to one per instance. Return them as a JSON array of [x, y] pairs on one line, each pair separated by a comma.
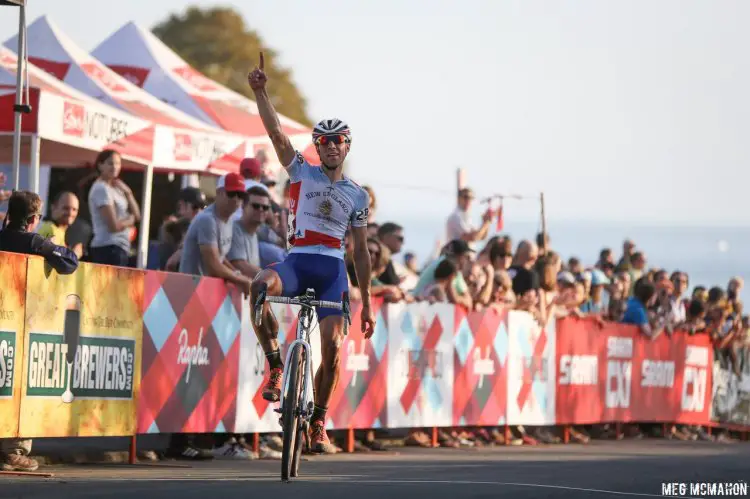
[[307, 382]]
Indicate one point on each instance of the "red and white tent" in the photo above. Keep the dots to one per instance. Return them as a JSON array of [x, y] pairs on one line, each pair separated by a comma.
[[181, 142], [69, 127], [140, 57]]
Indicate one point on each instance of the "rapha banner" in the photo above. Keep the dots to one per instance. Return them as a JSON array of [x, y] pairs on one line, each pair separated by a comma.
[[531, 371], [731, 392], [191, 351], [480, 358], [420, 365], [12, 306], [83, 332], [254, 413], [360, 398]]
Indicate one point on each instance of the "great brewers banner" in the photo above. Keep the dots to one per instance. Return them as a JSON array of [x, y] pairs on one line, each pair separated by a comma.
[[82, 349], [12, 300]]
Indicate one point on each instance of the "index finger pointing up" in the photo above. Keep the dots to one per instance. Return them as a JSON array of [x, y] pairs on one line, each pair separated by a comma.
[[261, 61]]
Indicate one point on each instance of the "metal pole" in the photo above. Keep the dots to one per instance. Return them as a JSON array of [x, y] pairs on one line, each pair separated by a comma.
[[460, 179], [34, 164], [544, 218], [19, 88], [148, 182]]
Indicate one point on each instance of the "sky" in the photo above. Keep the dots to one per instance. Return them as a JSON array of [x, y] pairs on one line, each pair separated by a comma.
[[629, 111]]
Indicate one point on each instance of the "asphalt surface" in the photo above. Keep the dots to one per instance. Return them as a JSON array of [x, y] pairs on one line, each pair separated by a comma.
[[600, 469]]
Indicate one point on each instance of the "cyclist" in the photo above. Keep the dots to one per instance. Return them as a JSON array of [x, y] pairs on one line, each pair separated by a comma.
[[323, 203]]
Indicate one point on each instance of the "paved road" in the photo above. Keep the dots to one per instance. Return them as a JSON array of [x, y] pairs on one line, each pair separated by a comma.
[[601, 469]]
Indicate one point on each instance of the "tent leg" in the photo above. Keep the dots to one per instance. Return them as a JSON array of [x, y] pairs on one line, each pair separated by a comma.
[[148, 181], [34, 164], [19, 91]]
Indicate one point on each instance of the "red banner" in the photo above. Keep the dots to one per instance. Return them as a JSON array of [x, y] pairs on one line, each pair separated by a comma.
[[615, 373]]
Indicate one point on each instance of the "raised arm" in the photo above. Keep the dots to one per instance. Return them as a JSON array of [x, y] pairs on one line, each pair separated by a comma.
[[284, 149]]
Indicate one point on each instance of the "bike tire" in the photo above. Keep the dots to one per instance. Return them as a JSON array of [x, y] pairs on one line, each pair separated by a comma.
[[290, 416], [301, 425]]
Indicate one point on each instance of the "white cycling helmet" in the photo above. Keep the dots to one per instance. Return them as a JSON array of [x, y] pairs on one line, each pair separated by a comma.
[[332, 127]]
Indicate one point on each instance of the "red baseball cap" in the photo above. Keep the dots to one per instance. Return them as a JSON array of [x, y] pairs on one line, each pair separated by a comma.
[[231, 182], [250, 168]]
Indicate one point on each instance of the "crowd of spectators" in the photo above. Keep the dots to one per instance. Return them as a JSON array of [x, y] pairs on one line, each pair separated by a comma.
[[244, 228]]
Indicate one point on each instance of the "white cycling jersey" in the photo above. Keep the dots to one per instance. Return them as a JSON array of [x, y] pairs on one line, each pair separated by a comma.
[[320, 211]]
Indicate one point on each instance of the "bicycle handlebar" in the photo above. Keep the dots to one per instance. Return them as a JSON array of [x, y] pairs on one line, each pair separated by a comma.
[[304, 302]]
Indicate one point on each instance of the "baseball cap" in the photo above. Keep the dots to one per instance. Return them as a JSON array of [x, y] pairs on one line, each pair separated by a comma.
[[250, 167], [231, 182], [566, 277], [599, 278], [193, 196], [458, 247]]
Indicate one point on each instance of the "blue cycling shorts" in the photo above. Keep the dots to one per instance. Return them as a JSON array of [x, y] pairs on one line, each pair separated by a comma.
[[325, 274]]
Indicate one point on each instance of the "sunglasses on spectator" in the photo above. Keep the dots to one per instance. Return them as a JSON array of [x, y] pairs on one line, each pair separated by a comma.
[[232, 195], [258, 206], [336, 139]]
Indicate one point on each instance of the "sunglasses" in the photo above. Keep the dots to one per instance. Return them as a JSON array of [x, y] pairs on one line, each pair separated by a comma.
[[233, 195], [400, 239], [336, 139], [258, 206]]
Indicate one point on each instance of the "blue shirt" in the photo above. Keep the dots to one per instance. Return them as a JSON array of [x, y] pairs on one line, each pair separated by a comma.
[[635, 313]]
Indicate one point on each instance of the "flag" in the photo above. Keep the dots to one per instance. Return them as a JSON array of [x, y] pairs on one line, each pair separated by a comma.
[[499, 225]]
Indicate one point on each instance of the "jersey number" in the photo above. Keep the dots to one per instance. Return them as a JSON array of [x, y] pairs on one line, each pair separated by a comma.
[[361, 215]]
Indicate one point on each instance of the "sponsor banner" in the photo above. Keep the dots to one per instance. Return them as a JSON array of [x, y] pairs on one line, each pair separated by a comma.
[[731, 393], [82, 345], [479, 361], [192, 150], [254, 413], [420, 365], [360, 398], [612, 372], [191, 351], [12, 302], [530, 371]]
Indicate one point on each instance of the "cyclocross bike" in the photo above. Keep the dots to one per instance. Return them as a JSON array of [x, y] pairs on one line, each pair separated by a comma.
[[296, 401]]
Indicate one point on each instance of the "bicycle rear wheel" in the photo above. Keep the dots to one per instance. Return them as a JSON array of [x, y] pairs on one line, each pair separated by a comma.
[[291, 412]]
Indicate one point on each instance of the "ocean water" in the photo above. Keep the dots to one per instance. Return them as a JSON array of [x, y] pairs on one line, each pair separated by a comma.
[[710, 255]]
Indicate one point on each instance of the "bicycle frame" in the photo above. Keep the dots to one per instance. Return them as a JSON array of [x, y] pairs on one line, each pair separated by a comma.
[[303, 338]]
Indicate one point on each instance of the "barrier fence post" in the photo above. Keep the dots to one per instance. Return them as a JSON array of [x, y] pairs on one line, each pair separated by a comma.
[[506, 431], [256, 442], [350, 440], [131, 454], [434, 436], [618, 431], [566, 434]]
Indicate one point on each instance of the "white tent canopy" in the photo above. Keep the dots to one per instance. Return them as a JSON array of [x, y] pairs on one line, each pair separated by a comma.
[[139, 56]]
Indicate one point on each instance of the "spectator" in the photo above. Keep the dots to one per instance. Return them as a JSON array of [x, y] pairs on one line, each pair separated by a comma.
[[548, 267], [597, 303], [501, 256], [17, 236], [575, 267], [695, 319], [627, 282], [502, 291], [372, 230], [525, 279], [678, 302], [618, 297], [114, 212], [209, 237], [480, 281], [700, 293], [606, 259], [373, 204], [190, 202], [175, 231], [379, 258], [627, 251], [392, 236], [637, 308], [459, 224], [410, 261], [244, 252], [252, 171], [637, 268], [64, 214], [734, 288], [460, 254], [438, 291]]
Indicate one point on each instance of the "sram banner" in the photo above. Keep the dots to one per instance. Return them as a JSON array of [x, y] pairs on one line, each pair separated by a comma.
[[612, 372], [82, 350]]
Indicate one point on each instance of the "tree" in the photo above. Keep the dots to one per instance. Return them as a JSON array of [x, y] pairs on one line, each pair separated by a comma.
[[217, 43]]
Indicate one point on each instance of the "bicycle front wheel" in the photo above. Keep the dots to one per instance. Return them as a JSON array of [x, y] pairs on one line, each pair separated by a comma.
[[291, 412]]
